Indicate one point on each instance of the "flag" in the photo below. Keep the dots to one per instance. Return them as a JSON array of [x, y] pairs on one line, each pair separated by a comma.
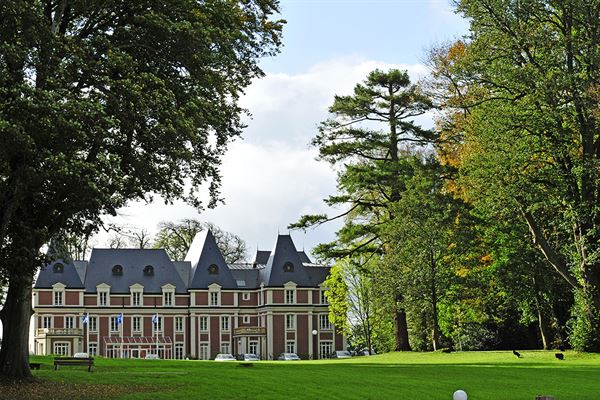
[[155, 319], [85, 318], [120, 319]]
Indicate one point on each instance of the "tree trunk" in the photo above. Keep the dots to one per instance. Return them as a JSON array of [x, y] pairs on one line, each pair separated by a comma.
[[588, 314], [401, 327], [544, 325], [435, 337], [15, 316]]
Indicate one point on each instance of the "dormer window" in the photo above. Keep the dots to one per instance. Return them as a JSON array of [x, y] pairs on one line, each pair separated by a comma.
[[58, 294], [149, 270], [213, 269], [168, 295], [137, 298], [103, 295], [58, 268], [288, 267], [117, 270]]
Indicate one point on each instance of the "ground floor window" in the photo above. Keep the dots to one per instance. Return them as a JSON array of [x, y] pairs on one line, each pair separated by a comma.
[[62, 348], [179, 351], [325, 349], [253, 347], [93, 349], [225, 348], [204, 354], [290, 347]]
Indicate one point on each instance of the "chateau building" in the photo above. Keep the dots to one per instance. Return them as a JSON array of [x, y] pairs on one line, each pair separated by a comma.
[[133, 302]]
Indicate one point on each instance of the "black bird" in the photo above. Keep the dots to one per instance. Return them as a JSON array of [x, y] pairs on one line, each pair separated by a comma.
[[516, 353], [560, 356]]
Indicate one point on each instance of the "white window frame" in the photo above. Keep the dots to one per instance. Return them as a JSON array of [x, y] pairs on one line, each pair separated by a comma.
[[290, 296], [290, 322], [225, 347], [113, 324], [103, 290], [92, 326], [245, 296], [204, 351], [71, 323], [203, 323], [325, 348], [136, 293], [179, 351], [324, 323], [225, 323], [246, 319], [290, 346], [93, 349], [158, 327], [49, 320], [58, 294], [178, 323], [323, 297], [139, 320], [214, 299], [212, 289], [63, 345]]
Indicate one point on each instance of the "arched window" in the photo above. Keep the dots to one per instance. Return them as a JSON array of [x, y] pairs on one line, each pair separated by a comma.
[[213, 269], [117, 270], [149, 270], [288, 267], [58, 268]]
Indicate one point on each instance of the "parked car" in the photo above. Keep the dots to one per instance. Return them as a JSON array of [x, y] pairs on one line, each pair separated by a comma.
[[248, 357], [152, 357], [341, 354], [288, 357], [224, 357]]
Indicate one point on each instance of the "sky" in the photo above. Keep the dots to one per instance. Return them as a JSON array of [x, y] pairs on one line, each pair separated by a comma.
[[271, 176]]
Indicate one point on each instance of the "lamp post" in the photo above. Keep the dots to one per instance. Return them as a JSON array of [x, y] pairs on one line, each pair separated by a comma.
[[314, 333]]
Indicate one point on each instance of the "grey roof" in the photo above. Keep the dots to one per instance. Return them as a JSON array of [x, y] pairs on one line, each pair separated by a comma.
[[261, 257], [133, 261], [81, 268], [68, 277], [184, 268], [203, 253], [304, 257], [283, 252], [246, 278]]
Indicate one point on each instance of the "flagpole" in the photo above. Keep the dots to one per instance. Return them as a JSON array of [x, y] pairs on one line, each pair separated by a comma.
[[87, 330], [156, 334]]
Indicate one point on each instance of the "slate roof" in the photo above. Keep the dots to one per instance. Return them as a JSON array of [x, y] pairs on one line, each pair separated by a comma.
[[284, 252], [133, 261], [202, 254], [267, 268], [68, 277]]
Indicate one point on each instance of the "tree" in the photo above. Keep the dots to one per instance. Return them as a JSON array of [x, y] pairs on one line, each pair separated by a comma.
[[104, 102], [351, 295], [531, 143], [371, 163], [176, 239], [129, 237], [431, 229]]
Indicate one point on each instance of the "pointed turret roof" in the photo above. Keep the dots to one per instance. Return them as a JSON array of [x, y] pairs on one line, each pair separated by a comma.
[[208, 264], [285, 265]]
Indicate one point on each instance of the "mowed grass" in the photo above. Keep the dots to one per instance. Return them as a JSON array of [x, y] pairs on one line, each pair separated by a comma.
[[483, 375]]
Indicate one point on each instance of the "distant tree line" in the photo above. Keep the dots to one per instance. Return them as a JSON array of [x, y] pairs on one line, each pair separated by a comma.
[[484, 232]]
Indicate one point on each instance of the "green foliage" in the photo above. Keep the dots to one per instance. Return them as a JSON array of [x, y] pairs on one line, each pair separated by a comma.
[[176, 239], [522, 97]]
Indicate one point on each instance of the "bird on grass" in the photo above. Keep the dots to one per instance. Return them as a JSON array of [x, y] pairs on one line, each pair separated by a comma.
[[516, 353], [560, 356]]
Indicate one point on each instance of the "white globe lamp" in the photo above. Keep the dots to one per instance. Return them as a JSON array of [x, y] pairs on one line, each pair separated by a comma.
[[459, 395]]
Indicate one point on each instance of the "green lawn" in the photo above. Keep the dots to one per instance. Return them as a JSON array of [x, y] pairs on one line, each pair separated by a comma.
[[483, 375]]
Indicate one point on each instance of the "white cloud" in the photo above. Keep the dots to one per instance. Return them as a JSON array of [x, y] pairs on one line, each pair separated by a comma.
[[271, 177]]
